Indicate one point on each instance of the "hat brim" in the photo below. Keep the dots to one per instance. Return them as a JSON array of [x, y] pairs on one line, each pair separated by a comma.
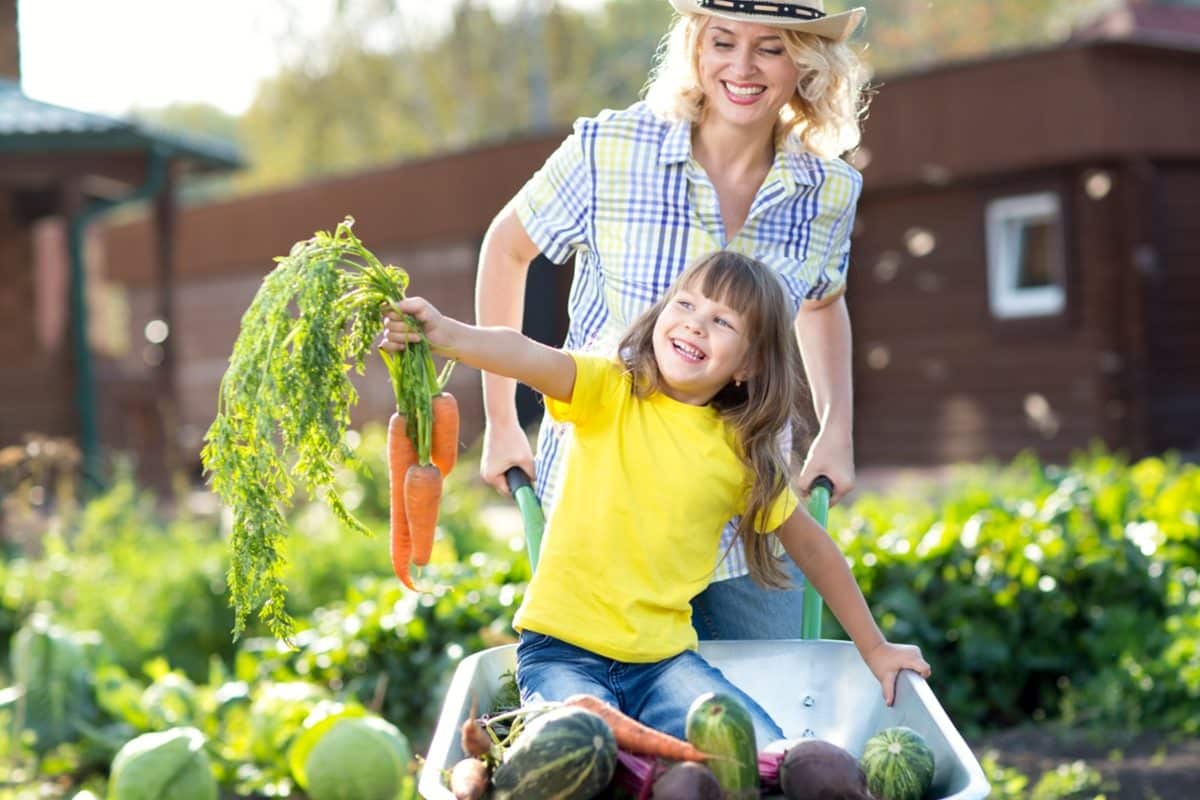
[[838, 27]]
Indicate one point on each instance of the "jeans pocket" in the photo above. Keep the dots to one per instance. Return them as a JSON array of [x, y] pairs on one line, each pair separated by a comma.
[[530, 642]]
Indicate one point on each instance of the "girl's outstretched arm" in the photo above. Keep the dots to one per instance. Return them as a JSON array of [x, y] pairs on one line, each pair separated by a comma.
[[822, 563], [500, 351]]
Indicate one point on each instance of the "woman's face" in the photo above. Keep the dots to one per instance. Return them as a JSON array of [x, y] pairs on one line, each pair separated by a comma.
[[745, 72]]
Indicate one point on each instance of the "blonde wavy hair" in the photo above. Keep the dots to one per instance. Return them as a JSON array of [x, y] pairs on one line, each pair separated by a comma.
[[825, 113], [757, 409]]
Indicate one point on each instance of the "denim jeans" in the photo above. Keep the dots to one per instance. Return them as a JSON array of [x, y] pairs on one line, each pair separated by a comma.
[[738, 608], [657, 694]]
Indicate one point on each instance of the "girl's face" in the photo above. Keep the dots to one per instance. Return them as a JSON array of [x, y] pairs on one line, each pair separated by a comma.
[[745, 72], [700, 345]]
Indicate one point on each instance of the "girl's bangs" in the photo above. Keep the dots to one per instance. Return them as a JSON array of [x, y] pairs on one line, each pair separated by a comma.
[[728, 280]]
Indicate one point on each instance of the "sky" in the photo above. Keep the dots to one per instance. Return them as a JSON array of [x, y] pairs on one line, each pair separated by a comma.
[[110, 56]]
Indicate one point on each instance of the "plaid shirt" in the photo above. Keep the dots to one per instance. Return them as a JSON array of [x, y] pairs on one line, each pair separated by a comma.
[[624, 195]]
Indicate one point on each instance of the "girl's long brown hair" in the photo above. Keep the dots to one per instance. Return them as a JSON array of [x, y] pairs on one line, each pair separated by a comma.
[[763, 406]]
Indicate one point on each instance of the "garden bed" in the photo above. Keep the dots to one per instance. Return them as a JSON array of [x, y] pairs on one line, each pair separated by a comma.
[[1146, 766]]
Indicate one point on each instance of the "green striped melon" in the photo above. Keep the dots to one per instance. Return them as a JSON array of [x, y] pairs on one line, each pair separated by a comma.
[[565, 754], [718, 724], [898, 764]]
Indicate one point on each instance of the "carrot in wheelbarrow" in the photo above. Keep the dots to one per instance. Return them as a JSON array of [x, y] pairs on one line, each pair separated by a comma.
[[422, 497], [401, 456], [444, 447], [635, 737]]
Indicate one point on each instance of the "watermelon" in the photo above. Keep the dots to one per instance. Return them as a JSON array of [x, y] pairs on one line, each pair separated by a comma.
[[898, 764], [721, 726], [565, 754]]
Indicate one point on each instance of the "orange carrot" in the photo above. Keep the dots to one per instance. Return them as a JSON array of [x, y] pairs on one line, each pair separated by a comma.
[[444, 445], [635, 737], [469, 779], [401, 456], [422, 496]]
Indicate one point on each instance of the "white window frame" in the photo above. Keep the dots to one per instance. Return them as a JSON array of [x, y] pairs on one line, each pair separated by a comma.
[[1005, 298]]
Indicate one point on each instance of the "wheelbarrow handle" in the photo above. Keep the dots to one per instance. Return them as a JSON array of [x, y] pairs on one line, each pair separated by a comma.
[[531, 511], [820, 491]]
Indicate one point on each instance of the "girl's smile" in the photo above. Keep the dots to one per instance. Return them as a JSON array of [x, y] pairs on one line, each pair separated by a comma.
[[700, 345]]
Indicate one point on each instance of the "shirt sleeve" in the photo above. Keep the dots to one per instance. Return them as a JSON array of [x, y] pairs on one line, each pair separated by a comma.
[[596, 377], [555, 204], [783, 507], [839, 201]]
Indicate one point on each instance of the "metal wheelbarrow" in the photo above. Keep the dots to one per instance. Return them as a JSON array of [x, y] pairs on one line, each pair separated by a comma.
[[810, 686]]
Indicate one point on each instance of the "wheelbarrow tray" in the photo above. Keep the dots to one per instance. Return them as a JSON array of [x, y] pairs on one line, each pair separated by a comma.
[[817, 688]]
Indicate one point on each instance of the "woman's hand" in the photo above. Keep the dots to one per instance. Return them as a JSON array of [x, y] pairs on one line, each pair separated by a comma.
[[398, 331], [831, 456], [504, 446], [887, 659]]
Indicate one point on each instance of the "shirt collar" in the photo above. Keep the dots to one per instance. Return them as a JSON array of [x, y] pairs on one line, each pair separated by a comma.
[[789, 168]]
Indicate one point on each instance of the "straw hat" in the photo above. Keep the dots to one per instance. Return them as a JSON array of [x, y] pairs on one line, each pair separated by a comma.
[[808, 18]]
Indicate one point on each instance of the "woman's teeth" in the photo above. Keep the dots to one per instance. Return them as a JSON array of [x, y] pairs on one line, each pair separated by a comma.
[[745, 91]]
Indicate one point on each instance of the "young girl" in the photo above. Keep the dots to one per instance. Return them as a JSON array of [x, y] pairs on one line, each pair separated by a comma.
[[671, 440]]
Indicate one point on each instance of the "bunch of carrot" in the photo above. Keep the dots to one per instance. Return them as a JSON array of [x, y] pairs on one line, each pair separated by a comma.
[[422, 448]]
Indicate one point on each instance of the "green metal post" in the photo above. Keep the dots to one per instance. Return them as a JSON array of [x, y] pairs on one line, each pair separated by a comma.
[[85, 390]]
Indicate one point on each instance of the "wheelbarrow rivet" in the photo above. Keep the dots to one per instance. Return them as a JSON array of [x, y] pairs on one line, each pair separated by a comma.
[[808, 733], [809, 702]]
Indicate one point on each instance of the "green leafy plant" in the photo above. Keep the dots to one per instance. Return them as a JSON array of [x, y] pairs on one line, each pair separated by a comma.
[[285, 402]]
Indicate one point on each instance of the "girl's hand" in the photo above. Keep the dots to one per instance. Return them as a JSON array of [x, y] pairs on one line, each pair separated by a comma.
[[398, 331], [886, 661]]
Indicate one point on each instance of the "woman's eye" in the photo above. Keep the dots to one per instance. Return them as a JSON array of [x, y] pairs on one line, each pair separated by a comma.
[[723, 45], [770, 51]]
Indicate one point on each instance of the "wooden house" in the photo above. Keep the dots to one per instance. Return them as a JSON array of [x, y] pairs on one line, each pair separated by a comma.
[[1025, 264], [61, 172]]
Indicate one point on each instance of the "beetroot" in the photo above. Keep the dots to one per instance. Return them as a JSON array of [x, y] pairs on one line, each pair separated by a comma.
[[817, 770], [687, 780]]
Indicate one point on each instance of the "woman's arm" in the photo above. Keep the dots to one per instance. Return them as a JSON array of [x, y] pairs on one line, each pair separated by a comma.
[[823, 331], [500, 301], [495, 350]]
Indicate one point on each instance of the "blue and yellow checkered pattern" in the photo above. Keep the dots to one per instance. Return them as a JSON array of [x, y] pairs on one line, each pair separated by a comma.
[[624, 195]]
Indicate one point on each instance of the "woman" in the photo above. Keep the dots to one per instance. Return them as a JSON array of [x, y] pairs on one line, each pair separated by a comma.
[[735, 147]]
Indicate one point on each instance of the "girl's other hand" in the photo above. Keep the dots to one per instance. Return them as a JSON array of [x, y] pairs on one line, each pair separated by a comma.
[[886, 661], [399, 332], [504, 446]]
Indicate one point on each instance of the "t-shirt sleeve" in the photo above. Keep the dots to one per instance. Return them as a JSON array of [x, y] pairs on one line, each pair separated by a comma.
[[596, 379], [554, 206], [839, 202], [783, 507]]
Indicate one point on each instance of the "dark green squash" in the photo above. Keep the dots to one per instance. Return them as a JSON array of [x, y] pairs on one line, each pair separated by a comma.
[[565, 754]]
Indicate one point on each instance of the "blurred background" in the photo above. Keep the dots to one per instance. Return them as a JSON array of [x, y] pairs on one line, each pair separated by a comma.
[[1025, 273]]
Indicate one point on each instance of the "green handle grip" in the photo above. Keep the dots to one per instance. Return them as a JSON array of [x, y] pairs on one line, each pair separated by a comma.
[[531, 512], [818, 505]]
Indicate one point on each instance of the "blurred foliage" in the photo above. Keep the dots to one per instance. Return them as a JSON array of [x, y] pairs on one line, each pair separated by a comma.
[[382, 81], [1064, 593], [1041, 591]]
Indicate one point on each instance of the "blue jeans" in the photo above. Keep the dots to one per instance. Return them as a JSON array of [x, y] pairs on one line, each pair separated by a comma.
[[738, 608], [657, 694]]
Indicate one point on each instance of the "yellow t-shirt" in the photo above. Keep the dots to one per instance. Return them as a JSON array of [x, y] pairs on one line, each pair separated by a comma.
[[633, 537]]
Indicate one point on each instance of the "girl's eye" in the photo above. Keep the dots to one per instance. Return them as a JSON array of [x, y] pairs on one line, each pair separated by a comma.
[[724, 322], [684, 304]]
